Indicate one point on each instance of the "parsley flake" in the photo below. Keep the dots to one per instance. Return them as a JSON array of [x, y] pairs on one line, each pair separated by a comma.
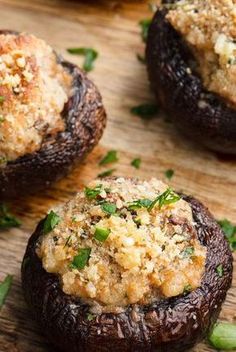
[[145, 24], [51, 221], [108, 208], [230, 232], [188, 252], [110, 157], [101, 234], [136, 163], [140, 203], [81, 259], [2, 99], [166, 198], [145, 110], [220, 270], [106, 173], [92, 193], [169, 174], [89, 54], [4, 289], [7, 220]]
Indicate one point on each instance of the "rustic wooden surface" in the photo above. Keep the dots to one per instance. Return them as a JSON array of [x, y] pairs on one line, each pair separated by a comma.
[[112, 28]]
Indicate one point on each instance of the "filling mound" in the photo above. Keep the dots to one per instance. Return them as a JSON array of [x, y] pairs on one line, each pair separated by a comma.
[[209, 28], [33, 91], [122, 242]]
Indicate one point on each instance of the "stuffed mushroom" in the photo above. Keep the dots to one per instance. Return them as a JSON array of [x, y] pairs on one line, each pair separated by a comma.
[[51, 114], [192, 68], [127, 265]]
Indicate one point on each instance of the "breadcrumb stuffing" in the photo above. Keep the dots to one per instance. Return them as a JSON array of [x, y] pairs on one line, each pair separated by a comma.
[[147, 254], [33, 91], [209, 28]]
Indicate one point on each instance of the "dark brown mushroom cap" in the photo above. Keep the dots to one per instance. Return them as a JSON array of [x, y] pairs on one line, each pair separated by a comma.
[[85, 120], [179, 91], [173, 324]]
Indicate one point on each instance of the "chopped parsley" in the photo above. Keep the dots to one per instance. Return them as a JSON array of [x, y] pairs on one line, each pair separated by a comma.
[[167, 197], [188, 251], [169, 174], [4, 289], [144, 110], [108, 208], [223, 336], [136, 163], [91, 317], [51, 221], [110, 157], [106, 173], [220, 270], [81, 259], [2, 99], [101, 234], [89, 54], [187, 289], [145, 24], [7, 220], [140, 203], [92, 193], [230, 232]]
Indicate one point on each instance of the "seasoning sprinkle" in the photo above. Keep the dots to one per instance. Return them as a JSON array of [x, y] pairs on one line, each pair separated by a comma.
[[89, 54], [106, 173]]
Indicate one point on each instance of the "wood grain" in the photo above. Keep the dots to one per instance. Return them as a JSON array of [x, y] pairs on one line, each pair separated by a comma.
[[111, 27]]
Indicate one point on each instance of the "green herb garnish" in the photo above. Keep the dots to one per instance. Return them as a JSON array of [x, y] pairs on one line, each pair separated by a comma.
[[188, 251], [108, 208], [136, 163], [167, 197], [101, 234], [81, 259], [110, 157], [90, 316], [145, 24], [2, 99], [223, 336], [169, 174], [187, 289], [144, 110], [51, 221], [140, 203], [106, 173], [2, 118], [220, 270], [141, 58], [4, 289], [230, 232], [89, 54], [92, 193], [7, 220]]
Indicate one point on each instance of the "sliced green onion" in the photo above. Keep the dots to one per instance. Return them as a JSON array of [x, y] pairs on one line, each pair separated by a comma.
[[81, 259], [101, 234], [51, 221], [5, 288]]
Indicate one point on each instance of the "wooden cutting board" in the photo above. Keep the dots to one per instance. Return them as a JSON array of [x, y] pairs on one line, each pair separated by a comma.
[[111, 27]]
